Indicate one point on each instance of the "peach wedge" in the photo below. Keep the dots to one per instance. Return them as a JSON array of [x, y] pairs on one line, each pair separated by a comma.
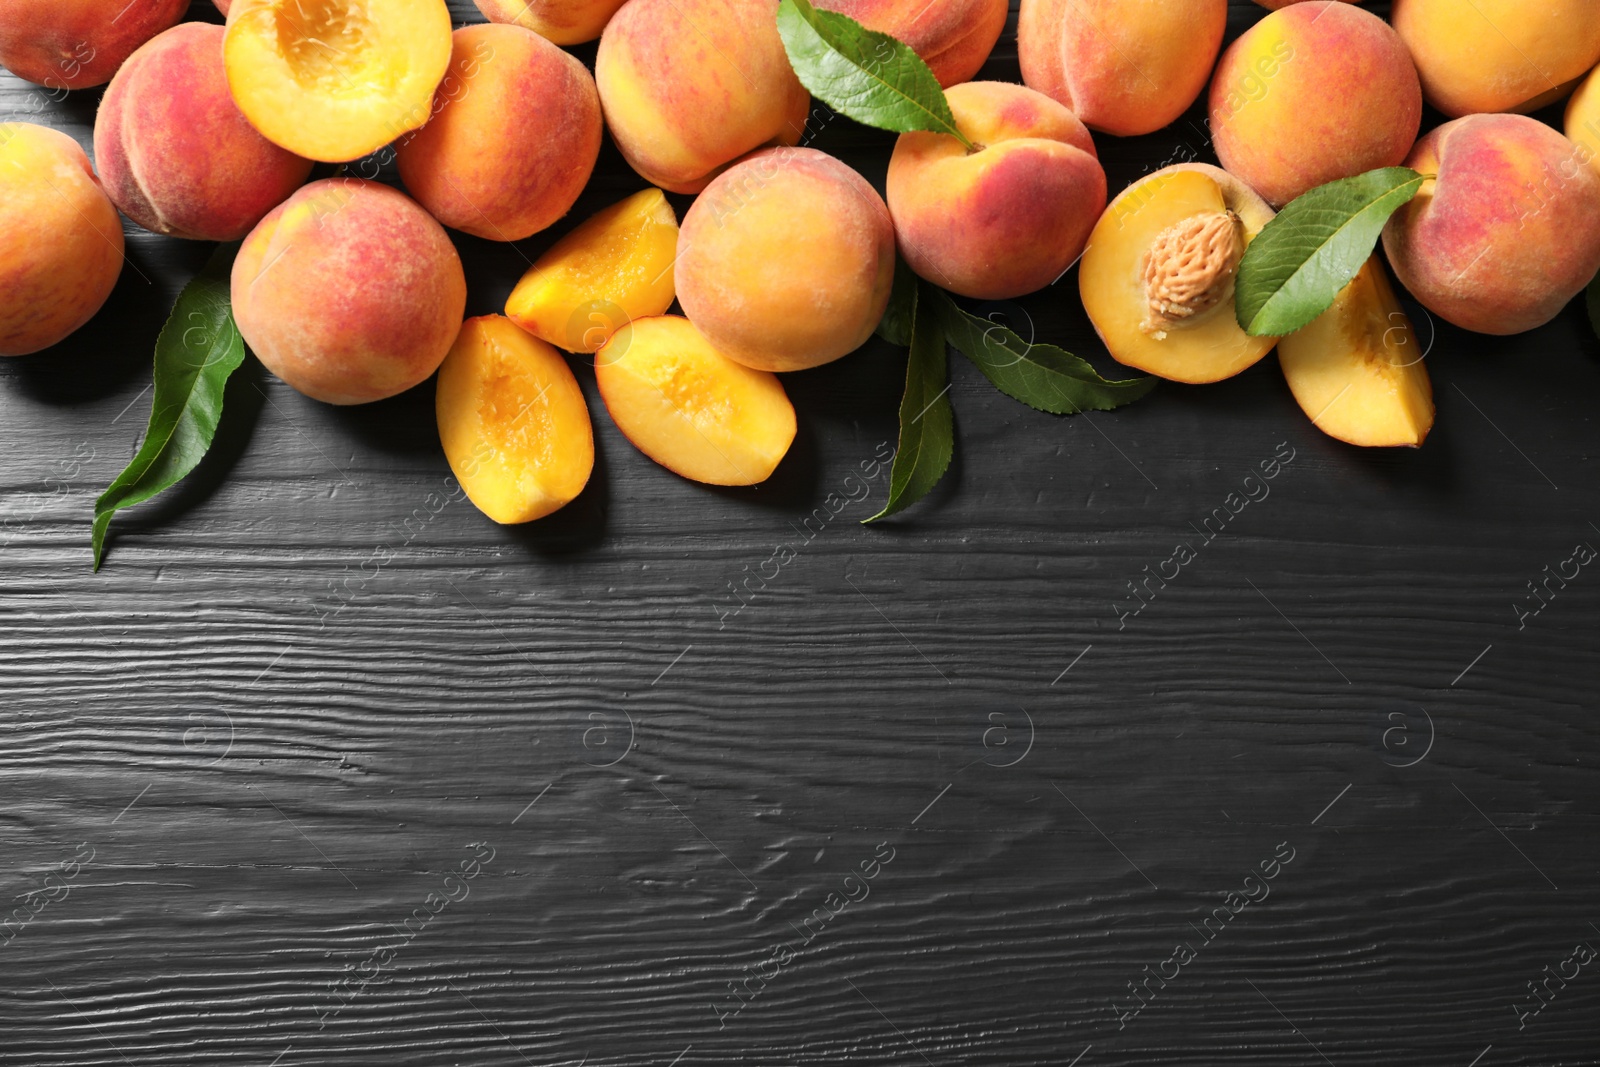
[[1357, 370], [617, 266], [691, 408], [513, 422], [1157, 279]]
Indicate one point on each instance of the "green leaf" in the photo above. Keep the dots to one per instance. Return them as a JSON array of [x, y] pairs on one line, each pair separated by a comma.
[[1042, 376], [869, 76], [1301, 260], [1594, 304], [199, 348], [926, 422], [895, 326]]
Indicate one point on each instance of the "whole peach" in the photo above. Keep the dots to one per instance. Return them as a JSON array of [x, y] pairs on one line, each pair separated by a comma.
[[349, 291], [1498, 55], [1009, 218], [561, 21], [1506, 233], [786, 260], [514, 136], [1314, 92], [176, 155], [60, 239], [1273, 5], [953, 38], [1123, 66], [689, 86], [73, 44]]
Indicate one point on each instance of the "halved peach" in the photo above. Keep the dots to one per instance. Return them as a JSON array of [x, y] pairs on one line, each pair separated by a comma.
[[1157, 279], [615, 267], [691, 408], [333, 80], [1357, 370], [513, 422]]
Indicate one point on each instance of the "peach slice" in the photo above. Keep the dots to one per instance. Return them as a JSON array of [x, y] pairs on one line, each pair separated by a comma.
[[691, 408], [513, 422], [615, 267], [333, 80], [1357, 370], [1157, 279]]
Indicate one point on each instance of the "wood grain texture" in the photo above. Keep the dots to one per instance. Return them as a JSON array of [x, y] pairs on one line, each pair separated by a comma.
[[276, 749]]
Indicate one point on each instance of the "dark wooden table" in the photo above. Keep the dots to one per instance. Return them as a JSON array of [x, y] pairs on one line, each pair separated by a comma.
[[325, 768]]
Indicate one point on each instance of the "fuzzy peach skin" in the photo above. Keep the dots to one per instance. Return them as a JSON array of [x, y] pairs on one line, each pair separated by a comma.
[[349, 291], [1315, 92], [1507, 232], [222, 5], [954, 38], [1125, 67], [176, 155], [73, 44], [60, 239], [688, 86], [1498, 55], [514, 137], [560, 21], [1007, 219], [786, 261], [1273, 5], [1583, 117]]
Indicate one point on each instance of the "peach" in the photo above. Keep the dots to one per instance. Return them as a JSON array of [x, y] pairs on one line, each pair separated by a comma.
[[333, 80], [73, 44], [349, 291], [514, 137], [1009, 218], [1314, 92], [1498, 55], [1506, 233], [513, 422], [60, 239], [1123, 66], [560, 21], [1157, 279], [691, 408], [953, 38], [615, 267], [689, 86], [176, 155], [786, 260], [1273, 5], [1357, 370], [222, 5], [1583, 117]]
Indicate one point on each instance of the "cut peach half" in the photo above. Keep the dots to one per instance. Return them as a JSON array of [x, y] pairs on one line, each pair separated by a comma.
[[1157, 279], [513, 422], [615, 267], [1358, 371], [333, 80], [691, 408]]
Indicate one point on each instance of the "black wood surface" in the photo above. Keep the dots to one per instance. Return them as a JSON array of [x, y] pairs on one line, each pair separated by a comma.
[[325, 768]]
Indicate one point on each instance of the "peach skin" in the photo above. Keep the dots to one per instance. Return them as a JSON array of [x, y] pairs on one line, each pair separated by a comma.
[[559, 21], [1506, 233], [953, 38], [1125, 67], [1583, 117], [75, 44], [1009, 218], [349, 291], [514, 137], [60, 239]]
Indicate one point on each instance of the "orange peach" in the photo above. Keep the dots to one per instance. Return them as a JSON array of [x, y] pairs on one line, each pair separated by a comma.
[[953, 38], [1583, 117], [222, 5], [1273, 5], [514, 137], [1314, 92], [73, 44], [60, 239], [175, 153], [1009, 218], [1498, 55], [786, 260], [1507, 232], [561, 21], [689, 86], [1123, 66], [349, 291], [333, 80]]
